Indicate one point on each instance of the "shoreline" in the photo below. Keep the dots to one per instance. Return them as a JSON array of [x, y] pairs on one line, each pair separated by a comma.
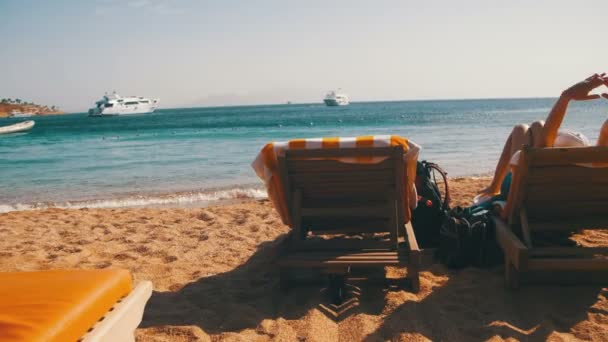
[[201, 198], [171, 199]]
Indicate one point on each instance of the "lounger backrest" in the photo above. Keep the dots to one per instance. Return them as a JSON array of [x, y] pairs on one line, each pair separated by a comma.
[[327, 195], [559, 187]]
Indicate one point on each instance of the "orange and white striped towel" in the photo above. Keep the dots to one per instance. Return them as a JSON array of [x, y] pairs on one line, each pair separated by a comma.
[[266, 164]]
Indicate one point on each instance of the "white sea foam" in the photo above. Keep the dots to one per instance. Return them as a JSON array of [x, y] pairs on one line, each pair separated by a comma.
[[172, 199]]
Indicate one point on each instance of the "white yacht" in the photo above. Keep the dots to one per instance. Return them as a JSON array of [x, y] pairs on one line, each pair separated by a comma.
[[16, 113], [115, 104], [335, 98]]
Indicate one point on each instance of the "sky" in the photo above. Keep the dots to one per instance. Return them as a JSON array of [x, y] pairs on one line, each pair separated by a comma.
[[194, 53]]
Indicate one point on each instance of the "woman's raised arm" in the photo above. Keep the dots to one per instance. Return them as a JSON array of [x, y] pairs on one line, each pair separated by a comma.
[[577, 92]]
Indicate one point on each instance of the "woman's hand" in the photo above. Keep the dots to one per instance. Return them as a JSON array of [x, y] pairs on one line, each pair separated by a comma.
[[485, 195], [489, 191], [580, 91]]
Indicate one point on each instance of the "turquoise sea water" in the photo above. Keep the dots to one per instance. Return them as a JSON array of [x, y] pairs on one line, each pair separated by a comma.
[[180, 156]]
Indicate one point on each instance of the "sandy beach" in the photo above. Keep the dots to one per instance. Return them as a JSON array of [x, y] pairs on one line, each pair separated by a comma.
[[215, 278]]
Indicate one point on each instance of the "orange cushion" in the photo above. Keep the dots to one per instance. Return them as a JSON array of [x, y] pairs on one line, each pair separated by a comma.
[[57, 305]]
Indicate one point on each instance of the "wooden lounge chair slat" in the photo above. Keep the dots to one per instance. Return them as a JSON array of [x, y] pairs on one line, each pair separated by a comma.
[[309, 256], [563, 264], [334, 177], [571, 223], [341, 254], [350, 229], [297, 214], [344, 244], [569, 156], [360, 224], [305, 167], [346, 212], [323, 264], [556, 209], [574, 175], [360, 258], [567, 192], [354, 189], [569, 251]]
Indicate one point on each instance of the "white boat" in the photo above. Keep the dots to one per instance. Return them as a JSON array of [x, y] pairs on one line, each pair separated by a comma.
[[335, 98], [18, 127], [16, 113], [115, 104]]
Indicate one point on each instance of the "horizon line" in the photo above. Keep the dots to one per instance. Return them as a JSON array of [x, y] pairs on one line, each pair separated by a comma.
[[353, 102]]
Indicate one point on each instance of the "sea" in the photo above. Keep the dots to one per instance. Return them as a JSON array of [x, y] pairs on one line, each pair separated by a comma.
[[199, 156]]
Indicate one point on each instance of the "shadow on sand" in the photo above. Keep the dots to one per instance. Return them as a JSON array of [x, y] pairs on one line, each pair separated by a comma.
[[472, 305], [248, 294], [475, 305]]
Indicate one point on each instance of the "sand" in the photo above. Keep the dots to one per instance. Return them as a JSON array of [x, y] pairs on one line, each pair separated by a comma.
[[215, 278]]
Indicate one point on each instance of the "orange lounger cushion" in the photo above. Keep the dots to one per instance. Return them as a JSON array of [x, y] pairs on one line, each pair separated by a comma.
[[57, 305]]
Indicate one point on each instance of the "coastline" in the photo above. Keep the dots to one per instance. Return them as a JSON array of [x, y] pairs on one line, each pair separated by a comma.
[[215, 279], [200, 198], [38, 110]]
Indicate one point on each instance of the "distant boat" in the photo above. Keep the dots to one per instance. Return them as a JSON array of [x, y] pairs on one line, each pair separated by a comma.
[[115, 104], [18, 127], [16, 113], [335, 98]]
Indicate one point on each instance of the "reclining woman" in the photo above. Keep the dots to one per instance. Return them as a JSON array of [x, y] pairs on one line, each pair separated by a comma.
[[544, 134]]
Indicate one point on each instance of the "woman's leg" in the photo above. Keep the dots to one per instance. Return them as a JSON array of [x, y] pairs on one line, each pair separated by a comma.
[[536, 134], [519, 136]]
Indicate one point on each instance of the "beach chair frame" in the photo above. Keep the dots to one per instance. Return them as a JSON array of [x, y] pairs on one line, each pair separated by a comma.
[[120, 322], [327, 196], [555, 190]]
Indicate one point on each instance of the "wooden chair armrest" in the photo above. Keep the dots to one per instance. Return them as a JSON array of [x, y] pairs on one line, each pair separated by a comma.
[[411, 238], [513, 248]]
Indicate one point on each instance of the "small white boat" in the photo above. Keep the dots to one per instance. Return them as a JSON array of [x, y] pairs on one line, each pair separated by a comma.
[[15, 113], [18, 127]]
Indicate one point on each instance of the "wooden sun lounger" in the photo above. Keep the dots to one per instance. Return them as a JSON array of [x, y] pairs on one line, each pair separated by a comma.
[[70, 305], [331, 198], [555, 190]]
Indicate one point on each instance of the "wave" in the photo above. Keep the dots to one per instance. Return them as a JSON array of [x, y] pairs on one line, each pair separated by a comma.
[[519, 110], [205, 197]]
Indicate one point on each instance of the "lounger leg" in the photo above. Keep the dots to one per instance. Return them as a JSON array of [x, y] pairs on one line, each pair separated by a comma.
[[413, 271], [511, 275], [337, 288]]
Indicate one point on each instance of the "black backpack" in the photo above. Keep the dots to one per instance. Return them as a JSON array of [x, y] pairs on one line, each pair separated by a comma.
[[467, 238], [432, 207]]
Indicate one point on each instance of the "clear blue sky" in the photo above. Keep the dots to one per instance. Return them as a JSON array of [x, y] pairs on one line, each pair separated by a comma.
[[198, 52]]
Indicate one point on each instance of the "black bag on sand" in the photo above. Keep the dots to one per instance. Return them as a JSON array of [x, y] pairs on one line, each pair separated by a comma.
[[432, 206], [467, 238]]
